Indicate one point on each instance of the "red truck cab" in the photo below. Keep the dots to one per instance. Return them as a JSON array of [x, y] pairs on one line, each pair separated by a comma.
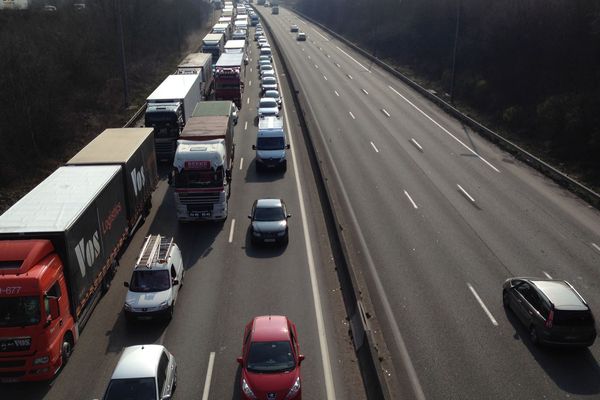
[[37, 330]]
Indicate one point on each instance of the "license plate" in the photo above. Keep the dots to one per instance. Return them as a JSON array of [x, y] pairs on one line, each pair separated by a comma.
[[144, 317], [200, 214], [269, 240]]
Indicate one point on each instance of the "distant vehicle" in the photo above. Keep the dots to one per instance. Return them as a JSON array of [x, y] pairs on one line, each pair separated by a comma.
[[254, 19], [156, 280], [294, 28], [198, 63], [552, 310], [275, 10], [265, 67], [268, 83], [213, 43], [270, 349], [258, 34], [145, 371], [271, 144], [263, 58], [268, 107], [273, 94], [267, 3], [266, 51], [267, 72], [301, 37], [229, 78]]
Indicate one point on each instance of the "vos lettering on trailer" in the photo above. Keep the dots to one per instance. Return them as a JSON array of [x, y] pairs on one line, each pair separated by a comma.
[[94, 240]]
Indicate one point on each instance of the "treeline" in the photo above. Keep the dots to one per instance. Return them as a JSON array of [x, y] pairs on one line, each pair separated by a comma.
[[60, 75], [530, 68]]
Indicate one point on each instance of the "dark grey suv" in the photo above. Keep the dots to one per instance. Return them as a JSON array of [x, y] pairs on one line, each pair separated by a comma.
[[552, 310]]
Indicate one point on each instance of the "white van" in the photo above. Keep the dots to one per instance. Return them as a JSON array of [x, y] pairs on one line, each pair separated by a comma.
[[271, 144]]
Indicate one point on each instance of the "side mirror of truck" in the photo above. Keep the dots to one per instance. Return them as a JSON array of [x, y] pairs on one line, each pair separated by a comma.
[[126, 284], [287, 146], [54, 309], [253, 147]]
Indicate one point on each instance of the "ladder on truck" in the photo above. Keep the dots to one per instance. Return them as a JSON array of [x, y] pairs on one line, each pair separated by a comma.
[[155, 250]]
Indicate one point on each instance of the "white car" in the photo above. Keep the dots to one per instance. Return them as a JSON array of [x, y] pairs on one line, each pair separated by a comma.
[[156, 280], [268, 107], [273, 94], [145, 371]]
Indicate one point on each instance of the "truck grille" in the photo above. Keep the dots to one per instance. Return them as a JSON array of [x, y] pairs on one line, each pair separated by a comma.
[[11, 374], [199, 201], [12, 364]]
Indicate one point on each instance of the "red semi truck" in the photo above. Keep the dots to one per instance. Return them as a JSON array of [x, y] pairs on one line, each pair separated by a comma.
[[229, 78]]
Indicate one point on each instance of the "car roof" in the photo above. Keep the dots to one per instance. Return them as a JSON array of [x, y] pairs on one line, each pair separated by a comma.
[[267, 100], [270, 328], [268, 203], [271, 92], [561, 294], [138, 362]]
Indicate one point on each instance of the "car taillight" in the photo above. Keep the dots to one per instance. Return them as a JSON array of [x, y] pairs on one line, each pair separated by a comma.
[[550, 319]]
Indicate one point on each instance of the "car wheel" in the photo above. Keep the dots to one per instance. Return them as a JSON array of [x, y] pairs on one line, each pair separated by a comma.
[[505, 299], [533, 336], [67, 348]]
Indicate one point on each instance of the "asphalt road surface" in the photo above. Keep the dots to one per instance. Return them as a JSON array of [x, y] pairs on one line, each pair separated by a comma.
[[228, 282], [441, 218]]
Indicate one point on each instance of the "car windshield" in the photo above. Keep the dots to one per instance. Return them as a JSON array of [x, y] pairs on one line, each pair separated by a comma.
[[19, 311], [150, 281], [270, 143], [270, 357], [269, 80], [268, 103], [272, 94], [269, 214], [131, 389]]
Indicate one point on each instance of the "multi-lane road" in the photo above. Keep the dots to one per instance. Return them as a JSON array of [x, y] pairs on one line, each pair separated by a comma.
[[228, 282], [440, 218]]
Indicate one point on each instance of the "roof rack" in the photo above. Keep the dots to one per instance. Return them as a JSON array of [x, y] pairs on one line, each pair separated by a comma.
[[155, 251]]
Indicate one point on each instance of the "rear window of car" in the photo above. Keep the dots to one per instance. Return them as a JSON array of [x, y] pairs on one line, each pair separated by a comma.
[[135, 388], [573, 318]]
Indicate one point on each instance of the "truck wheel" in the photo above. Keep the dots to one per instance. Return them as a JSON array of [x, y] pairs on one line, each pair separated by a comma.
[[67, 348]]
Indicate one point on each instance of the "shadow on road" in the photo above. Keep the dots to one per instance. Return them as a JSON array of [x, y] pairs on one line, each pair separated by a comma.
[[574, 370], [236, 384], [124, 333], [262, 250], [264, 175]]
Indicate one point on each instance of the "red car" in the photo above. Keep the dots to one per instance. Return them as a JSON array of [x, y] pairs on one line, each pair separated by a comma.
[[271, 360]]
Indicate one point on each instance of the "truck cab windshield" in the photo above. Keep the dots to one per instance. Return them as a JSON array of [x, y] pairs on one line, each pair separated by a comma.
[[270, 143], [19, 311], [150, 281], [199, 178]]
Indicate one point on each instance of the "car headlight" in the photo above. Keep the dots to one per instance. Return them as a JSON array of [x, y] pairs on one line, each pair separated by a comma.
[[41, 360], [255, 233], [127, 306], [246, 389], [282, 233], [294, 389], [163, 305]]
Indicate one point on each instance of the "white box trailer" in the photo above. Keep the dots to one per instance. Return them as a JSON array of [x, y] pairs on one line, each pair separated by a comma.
[[201, 64]]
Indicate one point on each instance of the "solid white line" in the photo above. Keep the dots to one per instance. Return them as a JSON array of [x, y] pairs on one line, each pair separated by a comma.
[[246, 125], [352, 115], [594, 245], [547, 275], [329, 386], [413, 141], [411, 200], [349, 76], [445, 130], [374, 148], [460, 188], [489, 314], [232, 228], [211, 363], [387, 114], [336, 93], [317, 32], [352, 58], [364, 91], [325, 77], [241, 163]]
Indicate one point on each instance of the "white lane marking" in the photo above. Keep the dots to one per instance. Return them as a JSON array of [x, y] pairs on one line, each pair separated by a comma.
[[336, 93], [241, 163], [246, 125], [328, 56], [249, 83], [248, 101], [445, 130], [329, 386], [349, 76], [316, 66], [594, 245], [338, 65], [250, 69], [547, 275], [374, 147], [325, 77], [211, 363], [464, 192], [317, 32], [411, 200], [352, 115], [417, 145], [365, 92], [232, 227], [352, 58], [387, 114], [309, 57], [482, 304]]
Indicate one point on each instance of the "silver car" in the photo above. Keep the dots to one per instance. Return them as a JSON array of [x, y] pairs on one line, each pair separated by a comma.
[[268, 107], [273, 94], [146, 371], [268, 83]]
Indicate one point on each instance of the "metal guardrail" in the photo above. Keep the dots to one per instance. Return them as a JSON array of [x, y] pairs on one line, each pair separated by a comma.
[[518, 152], [135, 117]]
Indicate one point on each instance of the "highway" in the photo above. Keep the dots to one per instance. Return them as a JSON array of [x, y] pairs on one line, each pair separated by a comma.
[[439, 218], [228, 282]]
